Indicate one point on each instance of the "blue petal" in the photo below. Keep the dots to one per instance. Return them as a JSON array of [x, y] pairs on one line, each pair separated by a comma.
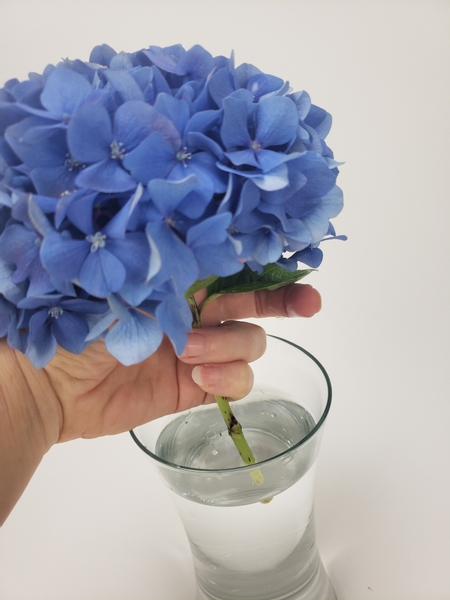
[[175, 318], [276, 179], [183, 269], [70, 332], [84, 306], [63, 257], [311, 256], [302, 101], [269, 247], [7, 311], [212, 230], [134, 253], [234, 131], [64, 92], [320, 179], [53, 181], [320, 120], [12, 292], [41, 343], [133, 341], [277, 121], [37, 216], [153, 158], [243, 157], [121, 61], [106, 176], [196, 62], [166, 58], [221, 85], [124, 85], [249, 198], [167, 195], [118, 224], [37, 144], [269, 160], [78, 208], [177, 111], [133, 122], [220, 260], [135, 293], [193, 205], [102, 55], [273, 180], [261, 84], [89, 134], [101, 326], [199, 141], [204, 164], [102, 273]]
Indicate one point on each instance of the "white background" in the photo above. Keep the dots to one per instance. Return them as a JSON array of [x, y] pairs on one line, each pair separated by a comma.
[[95, 522]]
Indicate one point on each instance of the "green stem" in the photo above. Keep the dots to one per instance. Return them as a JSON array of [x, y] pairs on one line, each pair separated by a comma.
[[233, 425], [238, 437]]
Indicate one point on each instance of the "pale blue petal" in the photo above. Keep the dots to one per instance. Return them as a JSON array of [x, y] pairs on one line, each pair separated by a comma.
[[100, 327], [133, 341], [64, 92], [41, 343], [175, 318], [102, 273], [124, 85], [277, 121]]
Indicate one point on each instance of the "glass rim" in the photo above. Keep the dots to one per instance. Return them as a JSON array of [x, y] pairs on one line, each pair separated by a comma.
[[266, 461]]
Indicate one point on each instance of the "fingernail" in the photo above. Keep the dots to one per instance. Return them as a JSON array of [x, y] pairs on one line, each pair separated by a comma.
[[206, 375], [196, 346]]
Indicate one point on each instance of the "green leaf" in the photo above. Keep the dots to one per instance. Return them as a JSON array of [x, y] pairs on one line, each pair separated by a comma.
[[272, 278], [200, 284]]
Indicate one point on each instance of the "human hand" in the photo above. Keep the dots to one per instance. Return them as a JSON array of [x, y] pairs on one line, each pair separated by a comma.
[[96, 395], [91, 394]]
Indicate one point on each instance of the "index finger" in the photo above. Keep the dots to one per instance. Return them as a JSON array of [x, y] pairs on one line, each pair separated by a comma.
[[295, 300]]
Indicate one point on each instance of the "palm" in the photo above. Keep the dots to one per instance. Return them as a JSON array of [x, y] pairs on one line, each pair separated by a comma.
[[94, 389], [99, 396]]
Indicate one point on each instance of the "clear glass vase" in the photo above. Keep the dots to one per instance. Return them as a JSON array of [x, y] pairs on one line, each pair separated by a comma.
[[251, 540]]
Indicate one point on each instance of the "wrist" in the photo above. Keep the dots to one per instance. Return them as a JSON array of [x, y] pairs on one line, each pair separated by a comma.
[[29, 424]]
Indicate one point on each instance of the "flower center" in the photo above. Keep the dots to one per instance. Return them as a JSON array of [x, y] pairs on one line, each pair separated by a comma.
[[255, 145], [72, 164], [97, 241], [55, 312], [117, 150], [183, 155]]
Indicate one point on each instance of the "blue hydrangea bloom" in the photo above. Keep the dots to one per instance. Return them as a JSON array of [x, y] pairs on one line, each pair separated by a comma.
[[126, 178]]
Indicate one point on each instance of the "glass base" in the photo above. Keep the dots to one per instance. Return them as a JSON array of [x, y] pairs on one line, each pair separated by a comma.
[[300, 576]]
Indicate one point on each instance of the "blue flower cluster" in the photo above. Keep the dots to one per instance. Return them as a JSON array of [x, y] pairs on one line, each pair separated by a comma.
[[125, 179]]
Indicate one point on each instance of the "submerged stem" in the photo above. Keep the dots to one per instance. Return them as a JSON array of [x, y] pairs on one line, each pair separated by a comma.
[[233, 425], [238, 437]]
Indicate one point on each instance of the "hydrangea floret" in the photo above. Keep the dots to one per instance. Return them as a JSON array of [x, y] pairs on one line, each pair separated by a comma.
[[128, 179], [133, 180]]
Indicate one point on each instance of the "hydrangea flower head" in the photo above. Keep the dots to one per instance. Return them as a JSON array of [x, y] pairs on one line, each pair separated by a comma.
[[127, 178]]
